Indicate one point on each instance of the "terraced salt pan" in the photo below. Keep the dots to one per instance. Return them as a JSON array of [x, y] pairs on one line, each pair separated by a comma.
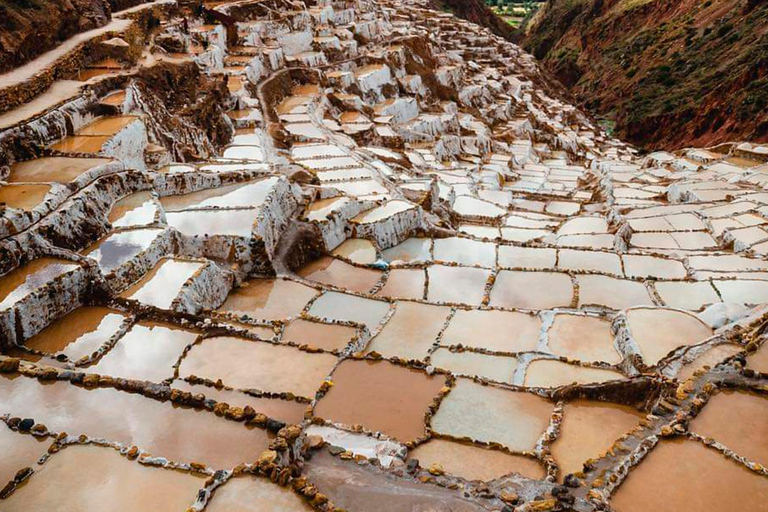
[[485, 413], [640, 266], [138, 209], [78, 334], [686, 475], [82, 144], [358, 188], [23, 197], [244, 153], [611, 292], [354, 487], [487, 232], [658, 331], [758, 361], [411, 331], [412, 250], [19, 451], [522, 235], [246, 364], [576, 260], [249, 195], [583, 225], [21, 282], [320, 210], [254, 494], [212, 223], [532, 290], [335, 272], [549, 373], [53, 169], [107, 125], [534, 258], [498, 368], [104, 476], [474, 462], [383, 212], [180, 434], [305, 131], [357, 250], [350, 308], [737, 420], [583, 338], [687, 295], [148, 351], [380, 396], [462, 285], [118, 248], [710, 358], [500, 331], [404, 284], [316, 334], [163, 284], [743, 291], [588, 430], [312, 151], [468, 206], [268, 299], [465, 251]]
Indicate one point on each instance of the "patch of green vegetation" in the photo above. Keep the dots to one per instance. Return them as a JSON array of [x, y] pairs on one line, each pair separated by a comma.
[[609, 125], [755, 100]]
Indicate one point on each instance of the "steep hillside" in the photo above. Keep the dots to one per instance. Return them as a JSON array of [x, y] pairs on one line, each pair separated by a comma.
[[29, 28], [669, 73], [477, 12]]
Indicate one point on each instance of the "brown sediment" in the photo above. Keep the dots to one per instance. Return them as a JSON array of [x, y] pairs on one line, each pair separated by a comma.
[[474, 462], [381, 397], [338, 273], [588, 429], [23, 197], [179, 434], [686, 474], [736, 419], [104, 476], [53, 169], [253, 494], [268, 299]]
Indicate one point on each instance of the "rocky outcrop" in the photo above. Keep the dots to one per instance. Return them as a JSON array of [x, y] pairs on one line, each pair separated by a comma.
[[186, 109]]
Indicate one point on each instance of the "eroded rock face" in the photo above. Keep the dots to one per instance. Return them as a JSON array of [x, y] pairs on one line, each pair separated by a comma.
[[365, 257]]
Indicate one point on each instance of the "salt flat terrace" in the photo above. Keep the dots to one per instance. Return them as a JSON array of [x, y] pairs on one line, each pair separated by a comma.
[[410, 278]]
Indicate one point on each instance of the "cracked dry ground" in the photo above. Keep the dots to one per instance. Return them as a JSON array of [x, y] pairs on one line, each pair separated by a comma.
[[413, 280]]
